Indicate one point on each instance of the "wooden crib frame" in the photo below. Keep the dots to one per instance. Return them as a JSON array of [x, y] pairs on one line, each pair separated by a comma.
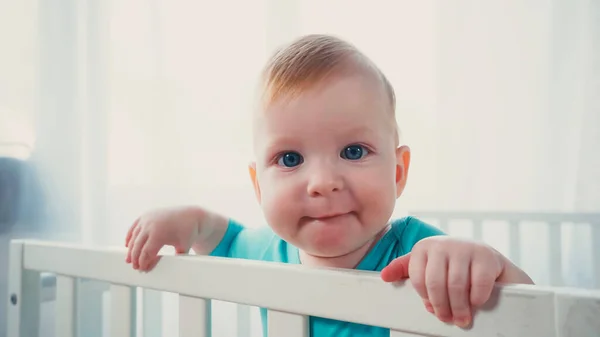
[[516, 310]]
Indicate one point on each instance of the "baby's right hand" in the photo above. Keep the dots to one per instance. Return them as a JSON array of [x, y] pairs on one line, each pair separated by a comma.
[[177, 227]]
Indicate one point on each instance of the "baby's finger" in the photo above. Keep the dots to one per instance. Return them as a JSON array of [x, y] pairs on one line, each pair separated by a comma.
[[131, 243], [458, 290], [428, 306], [416, 271], [140, 242], [136, 224], [149, 252], [153, 262], [483, 280], [130, 232], [436, 280], [397, 269]]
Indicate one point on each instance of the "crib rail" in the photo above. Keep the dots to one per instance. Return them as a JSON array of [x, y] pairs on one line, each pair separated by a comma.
[[343, 295]]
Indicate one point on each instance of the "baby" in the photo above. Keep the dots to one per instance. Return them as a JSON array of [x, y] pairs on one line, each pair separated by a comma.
[[328, 171]]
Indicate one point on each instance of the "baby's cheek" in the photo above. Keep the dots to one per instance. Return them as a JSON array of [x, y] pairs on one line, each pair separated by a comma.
[[279, 208], [378, 198]]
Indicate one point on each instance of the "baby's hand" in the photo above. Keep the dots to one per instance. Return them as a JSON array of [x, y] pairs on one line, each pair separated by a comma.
[[150, 232], [453, 276]]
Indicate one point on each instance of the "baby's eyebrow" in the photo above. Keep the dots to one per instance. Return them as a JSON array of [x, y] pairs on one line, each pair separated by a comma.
[[362, 130], [280, 143], [282, 140]]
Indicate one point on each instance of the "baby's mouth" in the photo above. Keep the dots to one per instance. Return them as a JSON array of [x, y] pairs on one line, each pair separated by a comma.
[[326, 217]]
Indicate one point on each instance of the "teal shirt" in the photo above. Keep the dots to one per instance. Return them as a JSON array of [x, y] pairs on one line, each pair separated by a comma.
[[264, 245]]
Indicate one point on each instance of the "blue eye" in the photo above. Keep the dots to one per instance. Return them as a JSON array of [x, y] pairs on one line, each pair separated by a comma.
[[354, 152], [290, 159]]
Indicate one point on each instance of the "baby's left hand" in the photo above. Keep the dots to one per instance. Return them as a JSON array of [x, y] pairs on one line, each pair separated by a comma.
[[453, 276]]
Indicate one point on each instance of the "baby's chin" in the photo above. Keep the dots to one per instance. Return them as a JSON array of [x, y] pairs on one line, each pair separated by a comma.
[[328, 245], [343, 255]]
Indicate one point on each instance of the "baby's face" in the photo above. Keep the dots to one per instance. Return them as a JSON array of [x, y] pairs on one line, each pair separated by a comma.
[[328, 171]]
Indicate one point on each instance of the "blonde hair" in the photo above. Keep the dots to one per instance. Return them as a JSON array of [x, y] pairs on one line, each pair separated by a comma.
[[314, 58]]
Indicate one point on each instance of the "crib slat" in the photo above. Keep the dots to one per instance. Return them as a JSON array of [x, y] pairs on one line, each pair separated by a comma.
[[122, 311], [243, 320], [286, 324], [151, 313], [66, 306], [555, 255], [194, 317], [23, 312], [595, 227], [89, 295], [515, 242], [478, 230]]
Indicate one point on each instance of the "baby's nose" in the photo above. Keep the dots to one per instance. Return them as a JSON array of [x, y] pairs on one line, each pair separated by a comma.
[[324, 182]]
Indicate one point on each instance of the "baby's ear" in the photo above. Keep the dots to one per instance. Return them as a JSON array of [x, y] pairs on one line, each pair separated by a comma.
[[252, 171], [402, 164]]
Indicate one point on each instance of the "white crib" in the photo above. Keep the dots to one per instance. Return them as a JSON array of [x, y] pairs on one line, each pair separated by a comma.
[[343, 295]]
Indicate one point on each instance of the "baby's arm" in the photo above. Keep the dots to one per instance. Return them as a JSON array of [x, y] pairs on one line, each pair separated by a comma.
[[211, 229], [183, 228]]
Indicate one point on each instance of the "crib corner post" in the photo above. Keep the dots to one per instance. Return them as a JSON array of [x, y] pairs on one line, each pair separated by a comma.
[[23, 312]]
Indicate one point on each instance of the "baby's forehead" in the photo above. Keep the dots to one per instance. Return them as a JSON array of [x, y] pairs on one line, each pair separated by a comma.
[[339, 110], [342, 90]]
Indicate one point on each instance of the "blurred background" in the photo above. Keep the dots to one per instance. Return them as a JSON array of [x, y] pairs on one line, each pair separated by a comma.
[[111, 108]]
